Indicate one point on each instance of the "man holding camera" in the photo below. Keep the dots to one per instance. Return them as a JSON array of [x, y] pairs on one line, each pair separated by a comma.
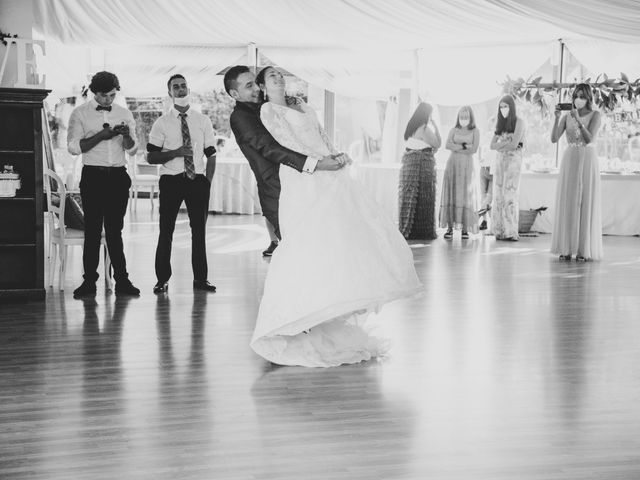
[[101, 132]]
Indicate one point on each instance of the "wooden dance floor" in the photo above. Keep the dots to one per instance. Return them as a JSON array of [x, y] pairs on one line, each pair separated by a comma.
[[512, 365]]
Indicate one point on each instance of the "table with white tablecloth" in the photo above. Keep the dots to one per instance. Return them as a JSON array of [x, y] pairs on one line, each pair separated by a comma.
[[620, 196], [620, 201], [234, 188], [381, 182]]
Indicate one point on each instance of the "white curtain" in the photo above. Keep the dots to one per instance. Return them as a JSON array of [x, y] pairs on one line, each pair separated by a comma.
[[612, 58], [143, 71], [471, 75], [616, 20], [365, 74], [354, 47], [355, 24]]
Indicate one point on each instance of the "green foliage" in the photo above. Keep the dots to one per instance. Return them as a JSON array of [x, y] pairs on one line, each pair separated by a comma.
[[607, 92], [6, 35]]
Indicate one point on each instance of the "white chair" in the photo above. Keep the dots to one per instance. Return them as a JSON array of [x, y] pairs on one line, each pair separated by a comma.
[[143, 176], [61, 237], [633, 148]]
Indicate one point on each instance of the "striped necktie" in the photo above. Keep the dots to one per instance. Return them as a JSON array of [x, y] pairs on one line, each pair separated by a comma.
[[189, 168]]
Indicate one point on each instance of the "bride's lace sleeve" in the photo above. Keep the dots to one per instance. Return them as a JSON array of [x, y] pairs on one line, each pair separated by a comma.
[[274, 120], [323, 134]]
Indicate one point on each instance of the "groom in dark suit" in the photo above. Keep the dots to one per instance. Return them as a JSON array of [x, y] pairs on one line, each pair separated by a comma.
[[263, 153]]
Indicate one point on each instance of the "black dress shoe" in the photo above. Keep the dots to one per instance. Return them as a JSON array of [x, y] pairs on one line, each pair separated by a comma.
[[269, 251], [85, 290], [203, 285], [125, 287], [161, 287]]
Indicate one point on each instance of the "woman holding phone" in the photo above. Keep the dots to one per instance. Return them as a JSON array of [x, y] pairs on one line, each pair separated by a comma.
[[577, 228]]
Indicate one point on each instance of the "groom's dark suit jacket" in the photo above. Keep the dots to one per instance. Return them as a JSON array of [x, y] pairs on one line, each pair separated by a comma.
[[264, 155]]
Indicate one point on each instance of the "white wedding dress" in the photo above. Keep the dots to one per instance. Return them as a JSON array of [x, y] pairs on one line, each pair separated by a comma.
[[339, 260]]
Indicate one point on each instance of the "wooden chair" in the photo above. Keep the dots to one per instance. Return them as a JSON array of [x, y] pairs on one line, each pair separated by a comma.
[[61, 237], [143, 176]]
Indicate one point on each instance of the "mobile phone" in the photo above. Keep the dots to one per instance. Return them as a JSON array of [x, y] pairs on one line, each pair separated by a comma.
[[565, 106]]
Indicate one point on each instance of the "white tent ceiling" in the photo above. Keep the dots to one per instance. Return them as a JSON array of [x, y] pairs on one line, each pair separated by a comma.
[[349, 46]]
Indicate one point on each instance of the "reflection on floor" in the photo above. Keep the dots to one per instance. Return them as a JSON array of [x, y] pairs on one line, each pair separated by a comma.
[[512, 365]]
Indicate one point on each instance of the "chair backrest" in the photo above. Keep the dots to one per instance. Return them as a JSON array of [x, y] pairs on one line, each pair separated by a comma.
[[53, 184], [137, 165], [131, 166], [633, 147]]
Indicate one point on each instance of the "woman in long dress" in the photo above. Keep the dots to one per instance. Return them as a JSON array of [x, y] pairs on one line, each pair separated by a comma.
[[340, 258], [417, 188], [577, 228], [459, 202], [508, 141]]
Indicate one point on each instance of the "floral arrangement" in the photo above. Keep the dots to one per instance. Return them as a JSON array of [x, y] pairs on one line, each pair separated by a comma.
[[607, 92], [6, 35]]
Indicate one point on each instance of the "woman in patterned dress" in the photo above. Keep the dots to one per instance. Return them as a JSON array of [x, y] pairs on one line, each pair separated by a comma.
[[417, 189], [508, 142]]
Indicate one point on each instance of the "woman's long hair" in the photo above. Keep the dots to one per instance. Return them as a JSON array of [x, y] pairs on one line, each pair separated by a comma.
[[506, 125], [472, 117], [419, 118]]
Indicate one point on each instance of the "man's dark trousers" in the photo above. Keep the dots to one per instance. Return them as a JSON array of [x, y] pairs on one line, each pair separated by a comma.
[[174, 189]]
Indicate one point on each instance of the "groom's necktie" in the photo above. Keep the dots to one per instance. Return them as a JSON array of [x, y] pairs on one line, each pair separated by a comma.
[[189, 168]]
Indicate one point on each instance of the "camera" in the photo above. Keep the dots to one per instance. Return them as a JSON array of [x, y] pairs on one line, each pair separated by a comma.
[[565, 106], [120, 129]]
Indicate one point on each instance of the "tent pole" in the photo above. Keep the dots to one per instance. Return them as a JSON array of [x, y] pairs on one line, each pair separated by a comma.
[[252, 57], [560, 75], [330, 114], [415, 96]]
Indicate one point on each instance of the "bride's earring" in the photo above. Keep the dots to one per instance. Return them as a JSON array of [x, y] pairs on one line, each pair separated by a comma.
[[264, 94]]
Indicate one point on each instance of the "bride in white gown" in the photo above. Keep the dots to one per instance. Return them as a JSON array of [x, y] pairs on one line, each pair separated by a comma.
[[340, 258]]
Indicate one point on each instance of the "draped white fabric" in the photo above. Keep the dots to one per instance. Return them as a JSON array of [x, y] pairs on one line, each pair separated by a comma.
[[400, 24], [353, 47], [470, 75], [616, 20], [607, 57], [143, 70]]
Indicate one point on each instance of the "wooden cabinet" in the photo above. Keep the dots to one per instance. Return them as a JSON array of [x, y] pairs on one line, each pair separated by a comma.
[[21, 217]]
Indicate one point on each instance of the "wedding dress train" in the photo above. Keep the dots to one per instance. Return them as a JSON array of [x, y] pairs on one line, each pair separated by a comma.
[[339, 260]]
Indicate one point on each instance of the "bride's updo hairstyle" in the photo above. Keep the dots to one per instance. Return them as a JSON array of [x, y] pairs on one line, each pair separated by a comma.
[[262, 96], [419, 118]]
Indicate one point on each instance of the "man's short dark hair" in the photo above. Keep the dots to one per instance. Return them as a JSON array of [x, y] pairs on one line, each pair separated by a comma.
[[172, 78], [104, 82], [231, 77]]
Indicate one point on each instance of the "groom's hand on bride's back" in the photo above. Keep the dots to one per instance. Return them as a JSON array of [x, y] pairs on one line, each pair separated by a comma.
[[330, 163]]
